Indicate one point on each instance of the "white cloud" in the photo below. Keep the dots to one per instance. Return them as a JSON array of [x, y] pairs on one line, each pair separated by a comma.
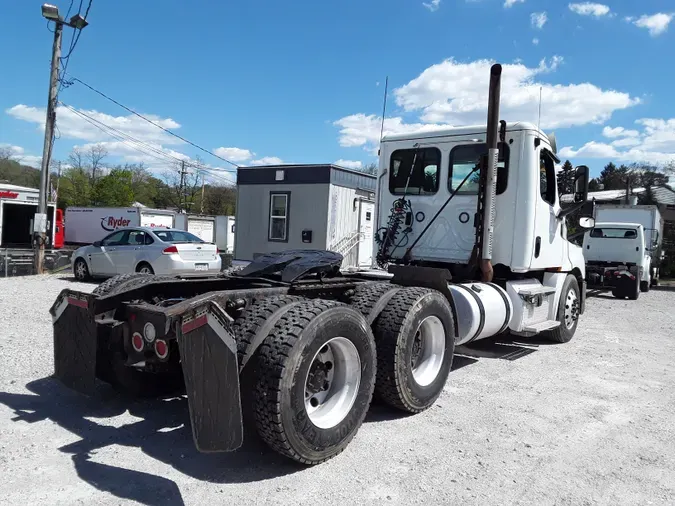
[[349, 164], [613, 133], [234, 154], [433, 5], [267, 160], [654, 144], [535, 41], [364, 130], [656, 24], [511, 3], [626, 142], [18, 154], [72, 126], [456, 93], [589, 9], [538, 19]]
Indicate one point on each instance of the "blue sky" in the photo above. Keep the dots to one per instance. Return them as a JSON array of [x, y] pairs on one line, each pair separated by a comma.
[[302, 81]]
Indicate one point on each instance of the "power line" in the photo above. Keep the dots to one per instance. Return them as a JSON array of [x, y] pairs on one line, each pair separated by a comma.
[[75, 79], [143, 147]]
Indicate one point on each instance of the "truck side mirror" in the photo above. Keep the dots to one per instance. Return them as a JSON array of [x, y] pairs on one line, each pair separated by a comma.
[[581, 180], [586, 222]]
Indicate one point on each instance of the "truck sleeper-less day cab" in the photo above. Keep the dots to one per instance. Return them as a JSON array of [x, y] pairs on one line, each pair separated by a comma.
[[617, 259], [298, 348]]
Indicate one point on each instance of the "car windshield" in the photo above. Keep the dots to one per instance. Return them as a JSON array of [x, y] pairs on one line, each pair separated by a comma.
[[177, 236], [614, 233]]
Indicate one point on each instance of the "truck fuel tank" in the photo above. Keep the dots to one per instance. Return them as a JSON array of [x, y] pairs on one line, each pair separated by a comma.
[[481, 309]]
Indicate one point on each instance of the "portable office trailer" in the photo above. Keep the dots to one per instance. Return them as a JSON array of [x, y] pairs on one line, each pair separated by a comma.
[[285, 207]]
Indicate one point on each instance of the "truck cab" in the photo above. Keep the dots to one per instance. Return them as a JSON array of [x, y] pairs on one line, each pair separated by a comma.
[[529, 230], [617, 258]]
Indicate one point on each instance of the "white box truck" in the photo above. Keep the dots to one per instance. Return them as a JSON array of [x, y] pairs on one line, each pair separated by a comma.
[[85, 225], [650, 219], [225, 234]]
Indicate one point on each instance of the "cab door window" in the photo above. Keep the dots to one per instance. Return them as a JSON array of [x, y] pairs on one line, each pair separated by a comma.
[[547, 185]]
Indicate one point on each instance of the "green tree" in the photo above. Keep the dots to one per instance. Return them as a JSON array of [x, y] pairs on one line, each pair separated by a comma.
[[74, 188], [220, 200], [566, 178], [114, 189], [613, 177]]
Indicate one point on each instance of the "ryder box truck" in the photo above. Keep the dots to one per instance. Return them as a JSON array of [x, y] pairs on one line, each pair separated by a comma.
[[85, 225]]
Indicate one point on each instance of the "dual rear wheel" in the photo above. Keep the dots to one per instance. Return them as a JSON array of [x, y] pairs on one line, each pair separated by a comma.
[[309, 384]]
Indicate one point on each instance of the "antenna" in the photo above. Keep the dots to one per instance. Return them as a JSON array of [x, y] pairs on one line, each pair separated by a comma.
[[539, 120], [384, 106]]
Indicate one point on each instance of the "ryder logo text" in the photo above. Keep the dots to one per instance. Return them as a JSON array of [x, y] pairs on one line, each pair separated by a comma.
[[111, 223]]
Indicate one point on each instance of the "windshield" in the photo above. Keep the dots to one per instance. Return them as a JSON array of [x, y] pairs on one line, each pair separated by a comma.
[[614, 233], [177, 236]]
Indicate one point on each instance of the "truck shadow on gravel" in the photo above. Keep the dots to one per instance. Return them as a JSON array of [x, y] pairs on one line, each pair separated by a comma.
[[162, 432]]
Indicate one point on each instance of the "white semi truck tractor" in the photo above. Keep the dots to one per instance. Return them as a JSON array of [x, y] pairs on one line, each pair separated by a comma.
[[471, 245]]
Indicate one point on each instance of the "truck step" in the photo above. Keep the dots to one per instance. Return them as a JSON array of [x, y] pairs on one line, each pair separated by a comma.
[[539, 290], [536, 328]]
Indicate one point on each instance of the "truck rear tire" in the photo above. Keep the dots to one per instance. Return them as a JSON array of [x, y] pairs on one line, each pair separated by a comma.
[[645, 286], [568, 312], [109, 285], [415, 346], [371, 298], [315, 380]]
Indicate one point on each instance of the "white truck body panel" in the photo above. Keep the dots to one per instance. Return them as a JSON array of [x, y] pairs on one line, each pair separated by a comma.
[[225, 227], [647, 216], [615, 242], [85, 225], [203, 227]]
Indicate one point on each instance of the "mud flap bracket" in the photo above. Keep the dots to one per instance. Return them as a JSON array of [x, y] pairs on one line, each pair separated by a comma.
[[209, 359]]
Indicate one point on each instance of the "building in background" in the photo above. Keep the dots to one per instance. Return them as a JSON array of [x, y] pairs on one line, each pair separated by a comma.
[[322, 207]]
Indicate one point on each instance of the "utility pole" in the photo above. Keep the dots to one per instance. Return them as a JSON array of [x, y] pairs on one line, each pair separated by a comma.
[[40, 221], [202, 210], [181, 189], [51, 13]]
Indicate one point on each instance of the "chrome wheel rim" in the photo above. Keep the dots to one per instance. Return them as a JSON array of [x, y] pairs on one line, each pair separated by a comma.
[[428, 350], [571, 309], [80, 269], [144, 270], [332, 382]]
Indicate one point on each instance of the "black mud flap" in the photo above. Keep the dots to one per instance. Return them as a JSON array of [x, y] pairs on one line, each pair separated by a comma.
[[209, 358], [74, 342]]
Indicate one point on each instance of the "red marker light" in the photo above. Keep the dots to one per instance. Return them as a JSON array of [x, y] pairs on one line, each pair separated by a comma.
[[161, 348], [137, 342]]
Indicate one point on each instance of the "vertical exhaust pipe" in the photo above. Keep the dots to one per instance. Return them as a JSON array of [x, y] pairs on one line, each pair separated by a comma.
[[491, 176]]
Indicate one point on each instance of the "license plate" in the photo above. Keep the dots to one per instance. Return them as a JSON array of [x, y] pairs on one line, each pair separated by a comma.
[[201, 267]]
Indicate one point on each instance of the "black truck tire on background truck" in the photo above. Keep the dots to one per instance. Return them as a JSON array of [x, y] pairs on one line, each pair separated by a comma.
[[645, 286], [285, 360], [564, 333], [396, 331]]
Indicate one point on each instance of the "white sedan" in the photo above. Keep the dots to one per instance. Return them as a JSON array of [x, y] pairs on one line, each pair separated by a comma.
[[149, 250]]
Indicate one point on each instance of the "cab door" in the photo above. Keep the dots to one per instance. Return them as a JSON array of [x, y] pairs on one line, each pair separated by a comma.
[[548, 248]]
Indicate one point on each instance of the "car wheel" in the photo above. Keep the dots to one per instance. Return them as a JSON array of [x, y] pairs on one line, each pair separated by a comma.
[[145, 268], [80, 270]]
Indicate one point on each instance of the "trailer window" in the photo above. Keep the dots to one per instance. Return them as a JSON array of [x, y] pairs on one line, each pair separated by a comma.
[[614, 233], [547, 187], [464, 158], [278, 225], [424, 177]]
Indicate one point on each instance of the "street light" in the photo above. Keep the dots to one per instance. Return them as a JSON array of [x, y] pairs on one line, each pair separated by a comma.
[[51, 13]]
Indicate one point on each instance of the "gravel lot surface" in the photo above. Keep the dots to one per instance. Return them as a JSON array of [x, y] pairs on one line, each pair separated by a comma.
[[589, 422]]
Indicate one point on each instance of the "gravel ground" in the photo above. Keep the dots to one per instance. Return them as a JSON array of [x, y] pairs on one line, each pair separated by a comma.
[[589, 422]]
